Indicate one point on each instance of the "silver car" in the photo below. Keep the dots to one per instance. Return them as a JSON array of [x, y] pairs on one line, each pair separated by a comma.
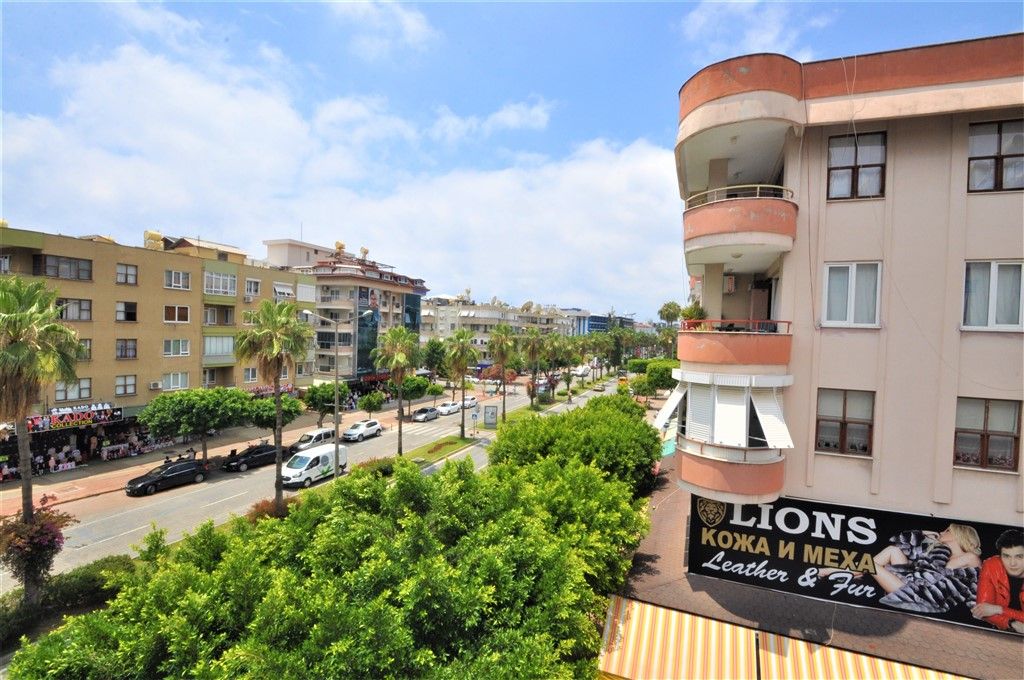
[[362, 429]]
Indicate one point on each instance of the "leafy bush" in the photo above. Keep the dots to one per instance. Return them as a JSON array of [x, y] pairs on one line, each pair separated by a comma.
[[562, 393], [27, 549], [659, 373], [617, 402], [382, 466], [637, 365]]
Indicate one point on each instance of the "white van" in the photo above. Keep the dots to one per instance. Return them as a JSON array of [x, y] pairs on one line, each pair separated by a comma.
[[312, 465]]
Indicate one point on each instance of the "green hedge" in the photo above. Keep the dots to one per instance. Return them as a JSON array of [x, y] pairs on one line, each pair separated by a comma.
[[85, 586], [637, 365], [659, 373]]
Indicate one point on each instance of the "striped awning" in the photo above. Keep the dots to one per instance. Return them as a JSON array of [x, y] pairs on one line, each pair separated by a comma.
[[646, 642], [642, 641]]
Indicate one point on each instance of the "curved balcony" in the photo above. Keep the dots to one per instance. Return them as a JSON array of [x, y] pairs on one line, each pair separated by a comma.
[[754, 219], [726, 342], [747, 476]]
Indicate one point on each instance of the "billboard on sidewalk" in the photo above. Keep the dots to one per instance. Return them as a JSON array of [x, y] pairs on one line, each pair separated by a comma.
[[949, 570]]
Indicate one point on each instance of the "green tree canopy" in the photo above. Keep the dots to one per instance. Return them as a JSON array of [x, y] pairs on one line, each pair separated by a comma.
[[461, 354], [195, 412], [371, 402], [670, 312], [659, 372], [435, 390], [263, 412], [320, 398], [432, 355], [397, 351]]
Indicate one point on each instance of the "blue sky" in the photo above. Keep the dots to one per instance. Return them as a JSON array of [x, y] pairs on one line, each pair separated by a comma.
[[523, 151]]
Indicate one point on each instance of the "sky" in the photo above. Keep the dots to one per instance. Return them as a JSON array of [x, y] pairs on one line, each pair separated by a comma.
[[520, 150]]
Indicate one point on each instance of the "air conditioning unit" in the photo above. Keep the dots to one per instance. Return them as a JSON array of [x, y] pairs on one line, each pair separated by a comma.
[[248, 298], [729, 285], [156, 385]]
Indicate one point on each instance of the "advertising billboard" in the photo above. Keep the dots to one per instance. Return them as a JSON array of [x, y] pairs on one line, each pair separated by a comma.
[[366, 329], [66, 418], [963, 572]]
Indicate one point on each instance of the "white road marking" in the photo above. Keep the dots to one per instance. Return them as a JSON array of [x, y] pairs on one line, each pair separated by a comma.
[[103, 540], [224, 499]]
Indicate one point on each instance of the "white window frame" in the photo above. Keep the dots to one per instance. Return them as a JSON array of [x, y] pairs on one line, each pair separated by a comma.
[[993, 297], [125, 385], [851, 296], [177, 313], [249, 375], [209, 312], [283, 291], [252, 287], [5, 264], [177, 280], [174, 381], [79, 307], [76, 391], [218, 345], [183, 347], [127, 274], [216, 283]]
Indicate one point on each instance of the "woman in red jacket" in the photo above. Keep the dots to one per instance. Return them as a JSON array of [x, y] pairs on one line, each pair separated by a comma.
[[1001, 584]]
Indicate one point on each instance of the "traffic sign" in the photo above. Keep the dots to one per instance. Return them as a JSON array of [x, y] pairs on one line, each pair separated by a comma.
[[474, 416]]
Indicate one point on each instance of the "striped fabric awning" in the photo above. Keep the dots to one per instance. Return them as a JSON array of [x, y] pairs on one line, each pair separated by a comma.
[[646, 642], [642, 641]]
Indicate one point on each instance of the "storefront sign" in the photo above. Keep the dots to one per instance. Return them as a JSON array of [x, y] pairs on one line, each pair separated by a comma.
[[268, 390], [374, 377], [927, 566], [65, 418]]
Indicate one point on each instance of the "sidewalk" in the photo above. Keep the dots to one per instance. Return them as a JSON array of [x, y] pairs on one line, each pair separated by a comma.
[[100, 477]]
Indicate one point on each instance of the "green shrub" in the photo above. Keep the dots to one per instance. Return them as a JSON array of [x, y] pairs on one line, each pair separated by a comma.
[[385, 467], [562, 392], [659, 373], [637, 365], [575, 391]]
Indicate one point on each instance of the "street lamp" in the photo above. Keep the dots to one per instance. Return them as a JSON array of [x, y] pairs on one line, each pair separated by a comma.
[[337, 409]]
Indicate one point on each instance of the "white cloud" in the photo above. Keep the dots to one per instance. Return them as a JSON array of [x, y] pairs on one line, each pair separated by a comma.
[[153, 19], [720, 30], [382, 27], [452, 128]]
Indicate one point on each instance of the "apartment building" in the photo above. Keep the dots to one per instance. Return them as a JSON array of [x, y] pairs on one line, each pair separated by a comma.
[[153, 319], [357, 298], [856, 229]]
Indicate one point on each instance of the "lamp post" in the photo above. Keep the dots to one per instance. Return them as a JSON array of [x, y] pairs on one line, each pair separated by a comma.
[[337, 409]]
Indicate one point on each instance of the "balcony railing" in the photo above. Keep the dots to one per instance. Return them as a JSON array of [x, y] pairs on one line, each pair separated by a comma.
[[736, 325], [739, 191]]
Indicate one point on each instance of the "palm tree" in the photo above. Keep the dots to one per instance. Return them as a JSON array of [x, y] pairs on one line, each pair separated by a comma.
[[670, 312], [531, 344], [36, 349], [396, 351], [276, 339], [461, 354], [502, 347]]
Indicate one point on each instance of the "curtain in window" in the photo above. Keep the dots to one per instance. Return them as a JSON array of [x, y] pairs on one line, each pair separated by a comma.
[[1008, 294], [970, 414], [976, 294], [1002, 416], [866, 294], [838, 293], [830, 403]]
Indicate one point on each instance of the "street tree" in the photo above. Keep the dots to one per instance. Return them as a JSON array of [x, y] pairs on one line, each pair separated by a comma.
[[275, 340], [502, 347], [195, 412], [435, 390], [263, 412], [396, 351], [433, 356], [320, 398], [670, 312], [531, 347], [461, 354], [371, 402], [414, 387]]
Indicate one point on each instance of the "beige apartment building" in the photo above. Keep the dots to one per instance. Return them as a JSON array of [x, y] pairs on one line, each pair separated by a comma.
[[153, 319], [847, 420]]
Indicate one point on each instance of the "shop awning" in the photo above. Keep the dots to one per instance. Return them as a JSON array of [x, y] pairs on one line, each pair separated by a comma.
[[669, 409], [642, 641], [645, 642], [783, 658]]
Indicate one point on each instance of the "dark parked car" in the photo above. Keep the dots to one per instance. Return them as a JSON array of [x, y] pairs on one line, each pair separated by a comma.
[[171, 473], [253, 456]]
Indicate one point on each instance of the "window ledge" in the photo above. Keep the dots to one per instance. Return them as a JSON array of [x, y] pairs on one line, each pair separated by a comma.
[[989, 192], [847, 456], [1010, 473], [854, 326], [857, 199], [992, 329]]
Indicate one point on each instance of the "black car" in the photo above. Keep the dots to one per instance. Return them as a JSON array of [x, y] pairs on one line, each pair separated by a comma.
[[253, 456], [171, 473]]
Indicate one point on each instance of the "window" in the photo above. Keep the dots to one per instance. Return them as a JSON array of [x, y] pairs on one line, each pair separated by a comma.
[[218, 346], [127, 274], [987, 433], [992, 297], [851, 294], [283, 291], [305, 292], [249, 375], [175, 381], [74, 391], [86, 349], [284, 372], [252, 287], [62, 267], [210, 316], [209, 377], [126, 348], [176, 348], [176, 314], [126, 311], [177, 280], [215, 283], [75, 310], [856, 166], [5, 264], [223, 257], [995, 156], [123, 385], [845, 420]]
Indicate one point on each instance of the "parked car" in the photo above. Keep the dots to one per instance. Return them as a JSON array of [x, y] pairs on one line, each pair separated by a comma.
[[599, 387], [253, 455], [469, 402], [421, 415], [308, 440], [362, 429], [312, 465], [171, 473], [446, 408]]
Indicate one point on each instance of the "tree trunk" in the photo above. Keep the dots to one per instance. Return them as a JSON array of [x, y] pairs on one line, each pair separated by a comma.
[[278, 456], [503, 393], [399, 419], [320, 420], [202, 438], [25, 469], [462, 411], [534, 385]]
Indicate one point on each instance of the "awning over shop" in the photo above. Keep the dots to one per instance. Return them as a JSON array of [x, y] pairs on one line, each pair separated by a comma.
[[669, 409], [643, 641]]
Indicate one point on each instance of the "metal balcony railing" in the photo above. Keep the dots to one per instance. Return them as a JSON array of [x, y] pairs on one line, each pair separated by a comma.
[[736, 325], [739, 191]]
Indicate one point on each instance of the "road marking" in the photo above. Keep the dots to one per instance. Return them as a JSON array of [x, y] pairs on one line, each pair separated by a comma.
[[149, 506], [224, 499], [108, 538]]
